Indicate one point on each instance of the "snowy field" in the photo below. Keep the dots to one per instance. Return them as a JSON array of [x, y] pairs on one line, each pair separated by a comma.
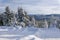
[[29, 33]]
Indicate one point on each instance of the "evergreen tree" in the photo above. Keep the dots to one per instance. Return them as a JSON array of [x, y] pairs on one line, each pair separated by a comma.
[[9, 16], [20, 14]]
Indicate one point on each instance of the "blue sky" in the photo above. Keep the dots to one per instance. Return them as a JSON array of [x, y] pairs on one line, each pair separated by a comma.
[[33, 6]]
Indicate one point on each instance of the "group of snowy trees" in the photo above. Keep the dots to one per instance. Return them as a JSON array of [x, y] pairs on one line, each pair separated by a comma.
[[9, 18]]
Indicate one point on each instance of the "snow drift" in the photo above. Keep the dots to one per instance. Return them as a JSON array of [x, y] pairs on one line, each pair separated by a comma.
[[30, 33]]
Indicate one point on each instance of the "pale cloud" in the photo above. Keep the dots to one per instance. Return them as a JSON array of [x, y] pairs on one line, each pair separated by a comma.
[[41, 9], [33, 6]]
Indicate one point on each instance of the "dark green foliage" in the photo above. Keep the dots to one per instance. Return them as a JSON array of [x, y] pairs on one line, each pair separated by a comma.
[[1, 22]]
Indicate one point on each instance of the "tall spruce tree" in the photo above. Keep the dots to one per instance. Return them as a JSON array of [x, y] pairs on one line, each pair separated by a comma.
[[20, 14], [9, 16]]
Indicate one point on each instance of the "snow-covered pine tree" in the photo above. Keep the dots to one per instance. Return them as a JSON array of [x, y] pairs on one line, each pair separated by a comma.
[[20, 14], [53, 21], [20, 17], [33, 21], [45, 23], [8, 16], [23, 17]]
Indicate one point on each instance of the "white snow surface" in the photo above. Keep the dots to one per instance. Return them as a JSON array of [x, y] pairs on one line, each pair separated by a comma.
[[29, 33]]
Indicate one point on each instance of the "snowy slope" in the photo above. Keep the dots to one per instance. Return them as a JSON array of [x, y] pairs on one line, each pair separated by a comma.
[[48, 33], [30, 33]]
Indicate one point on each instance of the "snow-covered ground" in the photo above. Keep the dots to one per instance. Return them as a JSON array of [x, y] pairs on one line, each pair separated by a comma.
[[29, 33]]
